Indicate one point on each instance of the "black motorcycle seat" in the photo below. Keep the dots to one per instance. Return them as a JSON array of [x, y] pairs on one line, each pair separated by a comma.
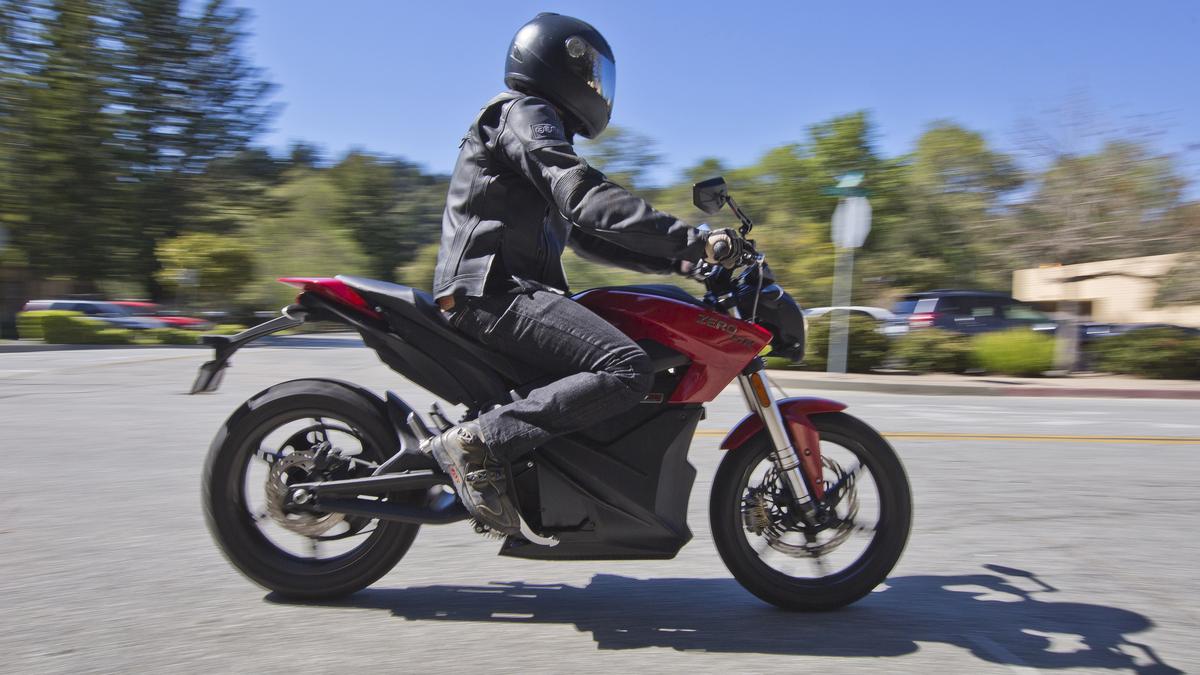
[[418, 306]]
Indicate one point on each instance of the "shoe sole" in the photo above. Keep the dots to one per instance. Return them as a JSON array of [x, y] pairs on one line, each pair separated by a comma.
[[456, 472]]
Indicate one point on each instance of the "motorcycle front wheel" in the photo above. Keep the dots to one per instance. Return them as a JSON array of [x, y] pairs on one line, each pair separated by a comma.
[[814, 563]]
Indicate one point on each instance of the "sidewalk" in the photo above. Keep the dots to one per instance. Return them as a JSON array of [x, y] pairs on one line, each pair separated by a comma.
[[942, 384]]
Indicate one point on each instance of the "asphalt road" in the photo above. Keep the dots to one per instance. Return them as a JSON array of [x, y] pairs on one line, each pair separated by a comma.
[[1036, 550]]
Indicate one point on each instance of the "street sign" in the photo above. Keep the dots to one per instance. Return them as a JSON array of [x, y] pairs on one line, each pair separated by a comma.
[[850, 227], [851, 222]]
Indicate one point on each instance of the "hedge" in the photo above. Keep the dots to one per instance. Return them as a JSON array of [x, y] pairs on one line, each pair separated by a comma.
[[173, 336], [866, 351], [1020, 352], [1150, 352], [933, 350], [29, 324], [74, 328]]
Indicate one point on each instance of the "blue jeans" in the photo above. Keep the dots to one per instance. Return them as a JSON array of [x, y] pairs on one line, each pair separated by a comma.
[[600, 371]]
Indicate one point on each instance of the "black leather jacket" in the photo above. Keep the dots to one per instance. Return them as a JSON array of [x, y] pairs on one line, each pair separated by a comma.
[[519, 195]]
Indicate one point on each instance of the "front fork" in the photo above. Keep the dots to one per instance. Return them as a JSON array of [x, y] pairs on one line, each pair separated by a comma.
[[785, 454]]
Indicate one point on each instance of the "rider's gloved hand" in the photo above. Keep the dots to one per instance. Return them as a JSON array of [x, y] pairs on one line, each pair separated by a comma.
[[723, 247]]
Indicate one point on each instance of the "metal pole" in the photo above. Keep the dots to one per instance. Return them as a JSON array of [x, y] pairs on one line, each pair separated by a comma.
[[839, 319]]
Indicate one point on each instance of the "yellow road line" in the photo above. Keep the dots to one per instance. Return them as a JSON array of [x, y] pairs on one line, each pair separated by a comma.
[[1020, 438]]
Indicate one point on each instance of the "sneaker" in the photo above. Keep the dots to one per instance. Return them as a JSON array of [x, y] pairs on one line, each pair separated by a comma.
[[479, 478]]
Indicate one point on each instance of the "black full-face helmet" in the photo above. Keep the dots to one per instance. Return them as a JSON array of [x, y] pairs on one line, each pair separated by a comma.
[[567, 62]]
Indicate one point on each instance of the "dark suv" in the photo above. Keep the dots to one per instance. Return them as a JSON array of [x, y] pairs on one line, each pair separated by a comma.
[[965, 312]]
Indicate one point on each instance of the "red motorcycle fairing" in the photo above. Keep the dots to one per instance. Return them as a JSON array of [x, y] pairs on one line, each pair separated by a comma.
[[332, 289], [803, 434], [718, 345]]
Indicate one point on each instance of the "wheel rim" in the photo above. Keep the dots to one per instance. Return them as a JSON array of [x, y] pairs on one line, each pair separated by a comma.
[[776, 538], [280, 453]]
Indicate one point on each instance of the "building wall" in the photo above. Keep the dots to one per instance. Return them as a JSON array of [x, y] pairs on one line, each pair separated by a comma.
[[1118, 291]]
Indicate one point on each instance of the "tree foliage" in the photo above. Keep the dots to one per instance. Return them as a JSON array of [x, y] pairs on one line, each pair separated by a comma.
[[127, 132], [112, 109], [207, 269]]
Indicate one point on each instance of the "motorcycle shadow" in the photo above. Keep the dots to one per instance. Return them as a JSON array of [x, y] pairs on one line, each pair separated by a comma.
[[997, 617]]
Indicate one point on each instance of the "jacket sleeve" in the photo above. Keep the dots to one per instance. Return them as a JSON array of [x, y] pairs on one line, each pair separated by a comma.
[[593, 248], [532, 141]]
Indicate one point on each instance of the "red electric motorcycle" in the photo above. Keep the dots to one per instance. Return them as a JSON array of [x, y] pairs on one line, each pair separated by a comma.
[[315, 488]]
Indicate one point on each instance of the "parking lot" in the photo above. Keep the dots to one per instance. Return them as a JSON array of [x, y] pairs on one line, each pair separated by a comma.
[[1058, 543]]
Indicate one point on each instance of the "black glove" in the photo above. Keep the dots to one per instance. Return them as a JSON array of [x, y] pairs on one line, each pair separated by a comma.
[[723, 247]]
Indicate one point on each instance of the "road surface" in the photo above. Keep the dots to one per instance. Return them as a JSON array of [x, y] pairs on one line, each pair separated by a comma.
[[1044, 538]]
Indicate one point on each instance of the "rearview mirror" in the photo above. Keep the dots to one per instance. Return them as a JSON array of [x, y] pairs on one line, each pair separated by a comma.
[[710, 195]]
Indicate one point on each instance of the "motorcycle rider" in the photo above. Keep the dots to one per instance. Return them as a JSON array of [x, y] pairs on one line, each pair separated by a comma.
[[519, 194]]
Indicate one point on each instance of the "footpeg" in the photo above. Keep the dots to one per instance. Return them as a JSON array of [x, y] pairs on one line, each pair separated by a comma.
[[439, 418], [534, 537], [419, 429]]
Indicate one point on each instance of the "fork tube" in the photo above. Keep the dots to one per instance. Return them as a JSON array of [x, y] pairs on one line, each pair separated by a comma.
[[787, 460]]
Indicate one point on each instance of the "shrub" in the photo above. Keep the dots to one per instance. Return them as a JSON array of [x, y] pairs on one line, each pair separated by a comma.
[[71, 328], [113, 336], [226, 329], [867, 347], [1151, 352], [174, 336], [29, 324], [930, 350], [1020, 352]]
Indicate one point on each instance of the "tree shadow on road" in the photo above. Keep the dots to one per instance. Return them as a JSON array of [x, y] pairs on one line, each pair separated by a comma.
[[998, 617]]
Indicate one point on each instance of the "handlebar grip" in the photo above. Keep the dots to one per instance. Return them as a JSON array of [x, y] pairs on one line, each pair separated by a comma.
[[721, 249]]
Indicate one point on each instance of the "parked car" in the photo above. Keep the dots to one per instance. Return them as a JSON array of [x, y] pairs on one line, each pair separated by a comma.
[[965, 311], [169, 317], [877, 313], [108, 312]]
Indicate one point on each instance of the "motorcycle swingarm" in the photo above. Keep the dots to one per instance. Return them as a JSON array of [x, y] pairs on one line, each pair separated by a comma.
[[224, 346], [438, 507]]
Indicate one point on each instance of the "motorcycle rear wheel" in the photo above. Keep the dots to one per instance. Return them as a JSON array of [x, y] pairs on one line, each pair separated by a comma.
[[227, 493], [734, 534]]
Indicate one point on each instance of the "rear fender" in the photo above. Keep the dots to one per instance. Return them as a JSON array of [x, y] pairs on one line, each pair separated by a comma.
[[802, 432]]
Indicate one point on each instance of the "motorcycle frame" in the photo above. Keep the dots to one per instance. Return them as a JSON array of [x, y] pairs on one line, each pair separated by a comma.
[[409, 466]]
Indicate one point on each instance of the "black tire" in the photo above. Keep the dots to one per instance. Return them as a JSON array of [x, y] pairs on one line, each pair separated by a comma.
[[827, 592], [230, 521]]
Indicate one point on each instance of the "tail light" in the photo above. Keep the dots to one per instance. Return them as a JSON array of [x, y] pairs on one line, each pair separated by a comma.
[[922, 319], [332, 289]]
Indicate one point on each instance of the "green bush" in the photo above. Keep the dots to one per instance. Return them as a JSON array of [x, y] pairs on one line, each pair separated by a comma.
[[1151, 352], [29, 324], [113, 336], [867, 347], [226, 329], [1020, 352], [173, 336], [71, 328], [933, 350]]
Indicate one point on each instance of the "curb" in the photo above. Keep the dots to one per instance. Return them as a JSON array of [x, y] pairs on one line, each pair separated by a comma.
[[926, 389], [300, 341], [43, 347]]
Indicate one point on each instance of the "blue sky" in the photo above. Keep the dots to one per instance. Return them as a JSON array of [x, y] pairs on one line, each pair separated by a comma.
[[733, 79]]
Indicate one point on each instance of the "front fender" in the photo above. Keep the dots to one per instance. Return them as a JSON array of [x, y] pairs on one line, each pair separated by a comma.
[[801, 431], [794, 410]]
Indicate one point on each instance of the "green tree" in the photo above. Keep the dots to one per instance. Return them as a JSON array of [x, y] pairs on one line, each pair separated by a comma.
[[624, 155], [188, 96], [389, 206], [205, 269], [956, 185], [303, 239], [66, 211]]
